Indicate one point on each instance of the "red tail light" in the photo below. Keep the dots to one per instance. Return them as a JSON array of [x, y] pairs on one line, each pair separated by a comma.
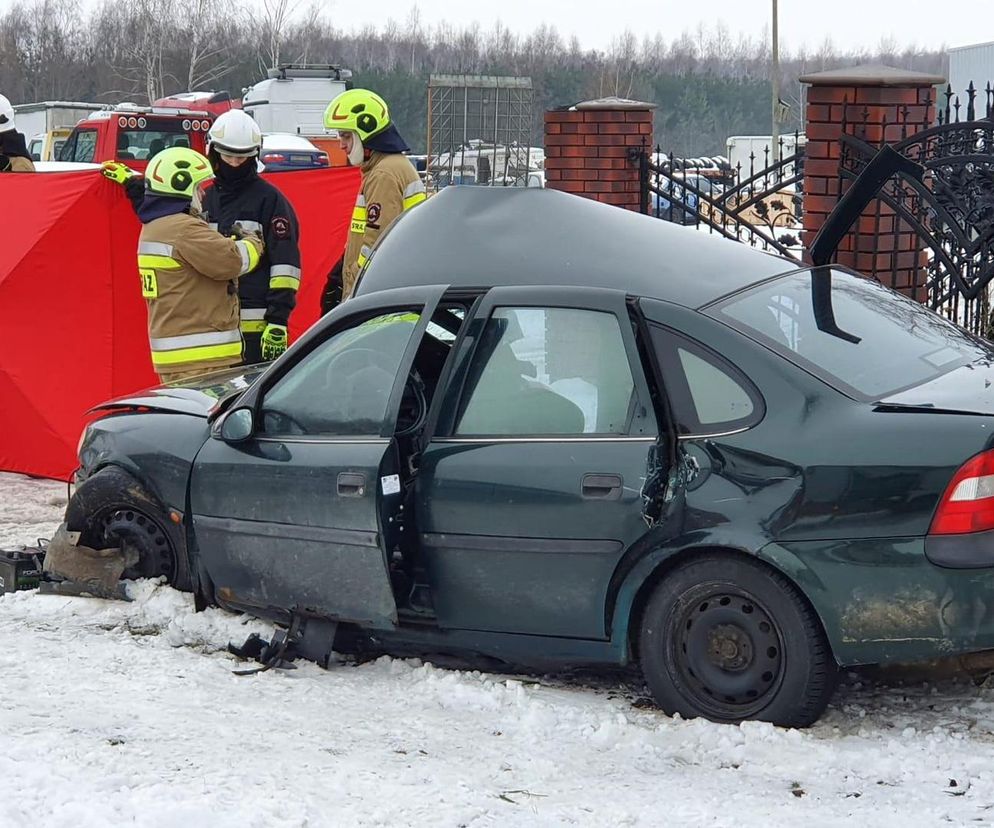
[[322, 159], [274, 158], [967, 505]]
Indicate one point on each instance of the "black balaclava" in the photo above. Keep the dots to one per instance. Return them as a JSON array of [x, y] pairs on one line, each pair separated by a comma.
[[13, 145], [232, 178]]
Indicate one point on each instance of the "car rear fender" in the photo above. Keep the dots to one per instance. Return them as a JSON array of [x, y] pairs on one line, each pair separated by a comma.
[[631, 595]]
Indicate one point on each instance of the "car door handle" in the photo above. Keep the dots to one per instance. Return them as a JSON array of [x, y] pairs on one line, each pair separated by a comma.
[[351, 484], [602, 486]]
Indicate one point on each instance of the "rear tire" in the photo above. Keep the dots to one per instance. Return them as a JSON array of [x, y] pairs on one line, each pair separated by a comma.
[[726, 638], [112, 509]]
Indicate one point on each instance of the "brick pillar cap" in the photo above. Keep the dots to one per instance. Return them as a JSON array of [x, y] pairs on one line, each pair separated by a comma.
[[613, 103], [871, 74]]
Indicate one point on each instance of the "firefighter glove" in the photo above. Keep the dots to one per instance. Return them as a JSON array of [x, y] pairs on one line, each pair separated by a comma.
[[117, 172], [274, 341]]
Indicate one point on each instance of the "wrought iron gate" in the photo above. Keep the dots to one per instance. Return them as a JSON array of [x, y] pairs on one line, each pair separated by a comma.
[[759, 205], [943, 202], [931, 211]]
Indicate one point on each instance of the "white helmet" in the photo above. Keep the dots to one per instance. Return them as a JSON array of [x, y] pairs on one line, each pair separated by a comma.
[[6, 115], [235, 133]]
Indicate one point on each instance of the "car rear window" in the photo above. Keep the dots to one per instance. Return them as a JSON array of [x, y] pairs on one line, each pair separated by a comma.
[[858, 336]]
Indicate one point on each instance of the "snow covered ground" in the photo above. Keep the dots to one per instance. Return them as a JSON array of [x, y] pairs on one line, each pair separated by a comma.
[[128, 713]]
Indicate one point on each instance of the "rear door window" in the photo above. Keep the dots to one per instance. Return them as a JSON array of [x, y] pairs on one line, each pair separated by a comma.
[[549, 371], [853, 333]]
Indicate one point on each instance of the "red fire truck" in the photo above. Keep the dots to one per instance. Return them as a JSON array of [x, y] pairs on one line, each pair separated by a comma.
[[133, 134]]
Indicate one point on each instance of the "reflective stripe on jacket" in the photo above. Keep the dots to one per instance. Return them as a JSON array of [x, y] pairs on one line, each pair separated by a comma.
[[189, 278], [390, 185]]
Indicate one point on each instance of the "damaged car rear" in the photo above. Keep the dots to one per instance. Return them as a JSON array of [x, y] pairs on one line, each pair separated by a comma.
[[615, 441]]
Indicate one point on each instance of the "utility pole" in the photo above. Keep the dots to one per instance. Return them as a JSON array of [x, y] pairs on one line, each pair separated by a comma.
[[775, 80]]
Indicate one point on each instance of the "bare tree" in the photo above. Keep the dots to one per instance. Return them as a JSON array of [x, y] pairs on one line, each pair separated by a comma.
[[144, 37], [414, 31], [276, 15], [618, 75], [206, 24]]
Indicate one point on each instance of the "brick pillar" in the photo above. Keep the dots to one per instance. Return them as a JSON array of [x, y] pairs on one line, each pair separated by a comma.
[[586, 149], [878, 104]]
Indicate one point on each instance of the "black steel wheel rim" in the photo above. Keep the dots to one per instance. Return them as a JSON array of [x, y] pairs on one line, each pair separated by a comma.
[[727, 651], [134, 530]]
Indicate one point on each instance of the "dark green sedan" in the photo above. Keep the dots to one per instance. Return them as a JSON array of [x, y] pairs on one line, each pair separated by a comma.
[[550, 433]]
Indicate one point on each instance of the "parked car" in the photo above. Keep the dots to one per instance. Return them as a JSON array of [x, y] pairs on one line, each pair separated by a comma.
[[631, 445], [709, 186], [283, 152], [671, 202]]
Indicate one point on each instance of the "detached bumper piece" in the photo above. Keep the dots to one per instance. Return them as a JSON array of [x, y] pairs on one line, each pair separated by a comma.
[[71, 568], [309, 636]]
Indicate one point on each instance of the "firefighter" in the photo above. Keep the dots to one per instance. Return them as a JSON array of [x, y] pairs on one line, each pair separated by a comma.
[[242, 201], [189, 272], [14, 155], [390, 184]]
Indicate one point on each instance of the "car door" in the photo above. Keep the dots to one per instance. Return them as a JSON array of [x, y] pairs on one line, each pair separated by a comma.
[[290, 516], [531, 486]]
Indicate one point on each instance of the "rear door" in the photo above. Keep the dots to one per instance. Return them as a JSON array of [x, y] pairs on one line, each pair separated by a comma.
[[531, 488], [291, 516]]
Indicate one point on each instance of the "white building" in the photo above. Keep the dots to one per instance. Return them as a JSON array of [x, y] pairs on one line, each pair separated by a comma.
[[971, 63]]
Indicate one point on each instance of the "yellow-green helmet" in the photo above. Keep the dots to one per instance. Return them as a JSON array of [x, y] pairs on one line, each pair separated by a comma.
[[176, 172], [359, 111]]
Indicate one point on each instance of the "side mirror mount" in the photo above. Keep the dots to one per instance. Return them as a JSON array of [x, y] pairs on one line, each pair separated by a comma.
[[235, 426]]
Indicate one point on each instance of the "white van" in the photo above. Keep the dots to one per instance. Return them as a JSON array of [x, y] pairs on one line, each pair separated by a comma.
[[293, 99]]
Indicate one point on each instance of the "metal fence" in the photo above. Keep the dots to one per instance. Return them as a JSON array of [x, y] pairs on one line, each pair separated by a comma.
[[759, 204], [938, 213], [479, 131]]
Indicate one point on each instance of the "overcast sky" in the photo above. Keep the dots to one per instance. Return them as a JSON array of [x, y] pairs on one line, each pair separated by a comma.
[[849, 23]]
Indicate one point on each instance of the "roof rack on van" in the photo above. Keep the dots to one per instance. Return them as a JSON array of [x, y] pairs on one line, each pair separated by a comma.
[[287, 71]]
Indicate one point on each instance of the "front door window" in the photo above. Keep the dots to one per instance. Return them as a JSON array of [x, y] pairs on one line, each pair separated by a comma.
[[343, 387]]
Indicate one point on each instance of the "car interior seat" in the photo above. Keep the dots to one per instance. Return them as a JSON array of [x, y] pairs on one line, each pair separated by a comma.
[[505, 400]]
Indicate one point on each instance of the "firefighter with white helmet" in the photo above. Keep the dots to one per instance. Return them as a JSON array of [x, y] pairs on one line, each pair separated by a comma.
[[14, 155], [390, 183], [241, 201], [188, 271]]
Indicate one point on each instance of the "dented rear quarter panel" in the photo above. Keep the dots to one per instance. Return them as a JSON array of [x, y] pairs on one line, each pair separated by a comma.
[[880, 600], [839, 497]]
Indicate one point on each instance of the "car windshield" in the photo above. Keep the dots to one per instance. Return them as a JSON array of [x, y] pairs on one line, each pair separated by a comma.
[[858, 336]]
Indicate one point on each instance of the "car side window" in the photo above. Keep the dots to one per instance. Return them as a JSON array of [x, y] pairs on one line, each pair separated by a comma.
[[85, 145], [548, 371], [343, 386], [708, 394]]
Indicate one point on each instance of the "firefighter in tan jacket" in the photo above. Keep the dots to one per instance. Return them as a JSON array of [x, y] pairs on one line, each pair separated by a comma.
[[14, 155], [390, 184], [189, 272]]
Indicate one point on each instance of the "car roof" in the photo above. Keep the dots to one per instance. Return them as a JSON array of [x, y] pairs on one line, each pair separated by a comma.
[[481, 237], [287, 140]]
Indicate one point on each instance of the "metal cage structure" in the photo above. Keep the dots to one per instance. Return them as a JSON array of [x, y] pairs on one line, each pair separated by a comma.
[[479, 130]]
